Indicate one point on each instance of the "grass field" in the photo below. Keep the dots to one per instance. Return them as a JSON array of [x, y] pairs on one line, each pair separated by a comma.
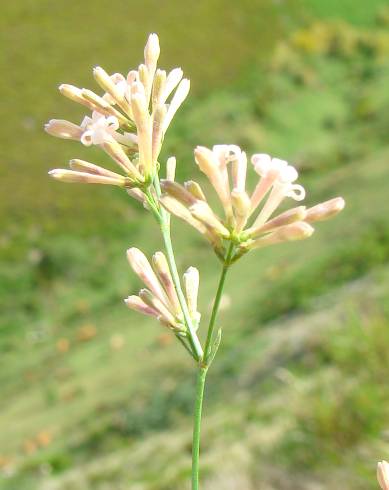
[[94, 396]]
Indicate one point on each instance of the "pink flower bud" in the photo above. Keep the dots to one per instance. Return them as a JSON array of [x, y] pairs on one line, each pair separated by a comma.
[[151, 53], [74, 93], [325, 210], [155, 303], [178, 192], [162, 270], [158, 119], [171, 168], [292, 232], [195, 189], [107, 84], [144, 130], [137, 304], [63, 129], [383, 475], [201, 211], [83, 166], [142, 268], [191, 283], [286, 218], [71, 176], [209, 165], [115, 151], [158, 88]]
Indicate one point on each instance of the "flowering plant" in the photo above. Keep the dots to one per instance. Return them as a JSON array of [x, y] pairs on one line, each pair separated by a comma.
[[129, 122]]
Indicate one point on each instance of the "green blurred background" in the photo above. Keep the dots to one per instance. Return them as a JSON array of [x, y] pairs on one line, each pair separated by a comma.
[[94, 396]]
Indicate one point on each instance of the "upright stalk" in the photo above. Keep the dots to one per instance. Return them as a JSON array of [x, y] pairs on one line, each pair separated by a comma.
[[203, 369], [201, 376]]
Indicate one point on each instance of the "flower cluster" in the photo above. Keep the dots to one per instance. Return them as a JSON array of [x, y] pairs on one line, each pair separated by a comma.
[[128, 121], [227, 163], [160, 299]]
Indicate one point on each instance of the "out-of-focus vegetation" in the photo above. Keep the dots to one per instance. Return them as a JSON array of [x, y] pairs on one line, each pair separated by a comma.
[[95, 397]]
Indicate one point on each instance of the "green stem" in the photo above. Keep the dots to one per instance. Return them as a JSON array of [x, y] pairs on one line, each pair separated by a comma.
[[201, 376], [202, 373], [216, 303], [165, 229]]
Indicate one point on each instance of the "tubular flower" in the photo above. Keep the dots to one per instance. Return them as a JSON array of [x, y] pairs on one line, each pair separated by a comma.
[[128, 121], [159, 299], [383, 474], [248, 220]]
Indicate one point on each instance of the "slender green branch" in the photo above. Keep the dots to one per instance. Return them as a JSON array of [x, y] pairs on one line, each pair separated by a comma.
[[216, 304], [201, 376], [165, 229]]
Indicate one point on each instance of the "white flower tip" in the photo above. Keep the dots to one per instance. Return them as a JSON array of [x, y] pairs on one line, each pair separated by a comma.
[[132, 251], [152, 49], [261, 162], [192, 271]]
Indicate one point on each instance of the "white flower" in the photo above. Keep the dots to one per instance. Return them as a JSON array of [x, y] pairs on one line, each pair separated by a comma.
[[98, 129]]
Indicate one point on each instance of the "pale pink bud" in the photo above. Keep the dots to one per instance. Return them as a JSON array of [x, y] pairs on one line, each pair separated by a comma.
[[239, 170], [142, 268], [145, 79], [95, 99], [74, 93], [162, 270], [178, 191], [83, 166], [151, 53], [107, 84], [191, 283], [178, 98], [158, 119], [137, 304], [101, 105], [171, 168], [71, 176], [241, 204], [174, 206], [286, 218], [158, 88], [63, 129], [204, 213], [383, 474], [208, 164], [115, 151], [149, 298], [292, 232], [144, 130], [325, 210], [195, 189], [172, 80]]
